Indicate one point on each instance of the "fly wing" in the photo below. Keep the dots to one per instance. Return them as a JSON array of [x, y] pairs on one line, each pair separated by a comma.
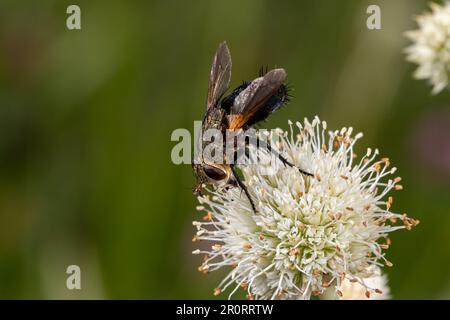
[[250, 100], [219, 78]]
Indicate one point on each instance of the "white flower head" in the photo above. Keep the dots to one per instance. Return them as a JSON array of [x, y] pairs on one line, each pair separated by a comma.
[[431, 46], [309, 233]]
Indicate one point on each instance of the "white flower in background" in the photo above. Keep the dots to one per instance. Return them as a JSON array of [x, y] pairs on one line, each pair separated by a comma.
[[431, 46], [355, 291], [310, 233]]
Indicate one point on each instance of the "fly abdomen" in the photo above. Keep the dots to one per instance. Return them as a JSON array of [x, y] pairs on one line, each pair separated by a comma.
[[275, 102]]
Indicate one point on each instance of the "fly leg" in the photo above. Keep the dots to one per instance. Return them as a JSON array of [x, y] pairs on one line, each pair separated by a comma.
[[243, 187], [285, 161]]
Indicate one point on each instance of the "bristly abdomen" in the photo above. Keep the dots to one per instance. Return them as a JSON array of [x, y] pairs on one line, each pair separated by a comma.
[[275, 102]]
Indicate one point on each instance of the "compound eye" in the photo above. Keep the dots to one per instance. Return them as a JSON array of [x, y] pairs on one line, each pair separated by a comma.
[[214, 173]]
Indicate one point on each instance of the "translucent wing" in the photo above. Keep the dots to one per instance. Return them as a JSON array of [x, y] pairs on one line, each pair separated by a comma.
[[219, 78], [250, 100]]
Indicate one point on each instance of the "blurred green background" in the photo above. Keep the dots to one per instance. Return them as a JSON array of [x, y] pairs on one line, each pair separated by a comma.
[[86, 116]]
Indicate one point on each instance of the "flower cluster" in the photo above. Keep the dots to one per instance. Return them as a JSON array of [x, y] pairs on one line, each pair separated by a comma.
[[431, 46], [309, 234]]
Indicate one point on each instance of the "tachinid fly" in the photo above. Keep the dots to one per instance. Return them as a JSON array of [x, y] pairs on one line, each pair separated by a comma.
[[245, 106]]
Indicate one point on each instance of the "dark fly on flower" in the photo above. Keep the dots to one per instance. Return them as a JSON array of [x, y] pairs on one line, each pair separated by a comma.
[[245, 106]]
